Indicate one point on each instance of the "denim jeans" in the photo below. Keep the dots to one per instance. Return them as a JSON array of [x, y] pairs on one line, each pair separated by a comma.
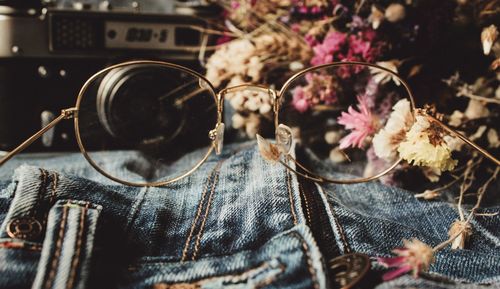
[[236, 222]]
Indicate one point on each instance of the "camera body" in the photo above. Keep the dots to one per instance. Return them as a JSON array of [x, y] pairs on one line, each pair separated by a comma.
[[48, 52]]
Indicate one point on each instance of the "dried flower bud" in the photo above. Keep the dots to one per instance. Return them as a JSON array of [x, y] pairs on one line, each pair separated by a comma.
[[268, 151], [395, 12], [376, 17], [428, 195], [464, 229], [415, 256], [332, 137], [337, 156], [495, 64], [237, 121], [488, 38], [476, 109], [493, 140]]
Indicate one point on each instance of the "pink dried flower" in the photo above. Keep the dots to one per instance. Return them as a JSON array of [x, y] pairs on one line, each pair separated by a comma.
[[415, 256], [299, 101], [362, 124], [323, 53], [319, 90], [359, 46]]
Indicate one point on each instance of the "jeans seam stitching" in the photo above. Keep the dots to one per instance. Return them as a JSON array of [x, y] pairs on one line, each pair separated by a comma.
[[210, 199], [57, 252], [292, 201], [310, 267], [340, 229], [54, 185], [41, 192], [306, 202], [76, 255], [132, 214], [195, 220]]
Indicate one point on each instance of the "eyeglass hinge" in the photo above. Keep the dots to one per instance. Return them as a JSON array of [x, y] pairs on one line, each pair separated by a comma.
[[69, 113]]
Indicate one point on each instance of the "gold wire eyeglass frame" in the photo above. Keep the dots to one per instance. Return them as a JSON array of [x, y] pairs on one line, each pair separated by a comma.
[[276, 95]]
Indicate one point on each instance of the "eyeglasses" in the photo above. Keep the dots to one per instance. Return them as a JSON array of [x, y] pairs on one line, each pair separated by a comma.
[[147, 114]]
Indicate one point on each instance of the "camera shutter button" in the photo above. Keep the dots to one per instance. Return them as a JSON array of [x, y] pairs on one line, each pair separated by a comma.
[[26, 228]]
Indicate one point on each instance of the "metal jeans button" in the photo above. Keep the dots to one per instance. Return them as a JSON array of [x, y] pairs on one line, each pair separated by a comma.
[[349, 269], [24, 228]]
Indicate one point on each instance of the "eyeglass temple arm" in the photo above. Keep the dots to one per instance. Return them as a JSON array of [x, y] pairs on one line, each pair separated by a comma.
[[65, 114], [484, 152]]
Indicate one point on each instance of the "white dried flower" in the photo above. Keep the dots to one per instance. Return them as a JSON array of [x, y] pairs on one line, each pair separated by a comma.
[[454, 143], [476, 109], [493, 140], [296, 66], [387, 140], [428, 195], [456, 118], [236, 100], [381, 76], [425, 146], [432, 174], [395, 12], [464, 231], [479, 133], [254, 68], [238, 121], [252, 125], [488, 37], [337, 156], [376, 17], [332, 137]]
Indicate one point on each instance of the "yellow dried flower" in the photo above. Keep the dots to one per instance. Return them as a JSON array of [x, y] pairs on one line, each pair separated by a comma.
[[425, 146]]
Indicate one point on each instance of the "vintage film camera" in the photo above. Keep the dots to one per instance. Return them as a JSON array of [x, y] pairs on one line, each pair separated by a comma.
[[48, 49]]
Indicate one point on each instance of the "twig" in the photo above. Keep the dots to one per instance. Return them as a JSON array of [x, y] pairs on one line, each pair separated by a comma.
[[481, 191], [480, 194], [466, 184], [478, 97]]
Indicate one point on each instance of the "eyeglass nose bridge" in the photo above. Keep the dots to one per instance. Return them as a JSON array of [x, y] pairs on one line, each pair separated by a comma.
[[251, 87], [273, 94]]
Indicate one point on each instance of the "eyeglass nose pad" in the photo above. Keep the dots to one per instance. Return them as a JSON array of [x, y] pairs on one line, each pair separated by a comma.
[[217, 137], [284, 138]]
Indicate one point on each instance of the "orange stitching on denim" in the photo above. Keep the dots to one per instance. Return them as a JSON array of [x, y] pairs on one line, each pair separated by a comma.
[[200, 233], [20, 245], [55, 183], [306, 202], [347, 248], [292, 202], [41, 192], [310, 267], [76, 255], [57, 251], [198, 213]]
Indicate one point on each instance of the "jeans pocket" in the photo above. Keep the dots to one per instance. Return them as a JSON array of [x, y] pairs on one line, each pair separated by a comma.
[[61, 260], [288, 260], [67, 248]]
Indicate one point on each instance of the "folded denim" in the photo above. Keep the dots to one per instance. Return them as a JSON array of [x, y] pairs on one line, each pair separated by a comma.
[[236, 222]]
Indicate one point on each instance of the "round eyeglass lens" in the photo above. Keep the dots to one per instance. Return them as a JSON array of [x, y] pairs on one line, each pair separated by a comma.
[[136, 120], [349, 117]]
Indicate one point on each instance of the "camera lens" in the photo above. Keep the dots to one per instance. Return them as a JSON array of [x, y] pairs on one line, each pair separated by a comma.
[[133, 105], [143, 116]]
